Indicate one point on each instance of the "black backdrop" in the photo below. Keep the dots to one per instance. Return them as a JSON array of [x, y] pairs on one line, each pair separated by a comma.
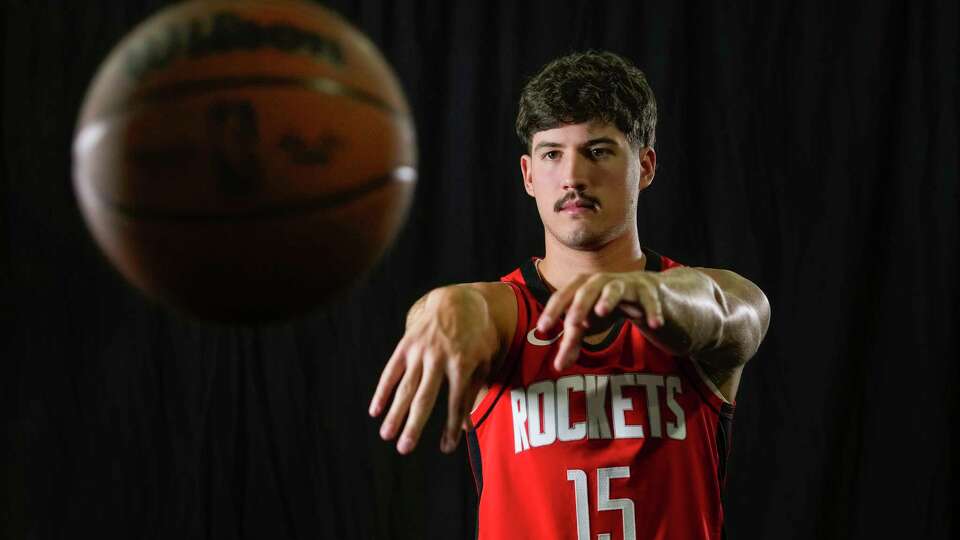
[[811, 147]]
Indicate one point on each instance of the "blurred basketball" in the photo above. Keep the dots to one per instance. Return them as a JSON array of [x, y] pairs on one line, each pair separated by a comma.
[[244, 161]]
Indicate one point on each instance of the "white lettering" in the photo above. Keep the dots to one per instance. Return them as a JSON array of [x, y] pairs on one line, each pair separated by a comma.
[[651, 382], [596, 389], [565, 431], [542, 412], [604, 502], [518, 403], [579, 479], [620, 405], [543, 428], [676, 430]]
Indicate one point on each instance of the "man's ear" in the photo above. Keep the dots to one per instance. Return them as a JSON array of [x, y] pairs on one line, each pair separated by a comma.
[[648, 166], [525, 166]]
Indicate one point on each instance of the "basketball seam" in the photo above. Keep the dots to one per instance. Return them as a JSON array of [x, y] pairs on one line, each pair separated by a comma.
[[180, 89], [399, 174]]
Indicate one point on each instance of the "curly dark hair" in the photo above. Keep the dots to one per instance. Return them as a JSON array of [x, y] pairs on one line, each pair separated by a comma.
[[585, 86]]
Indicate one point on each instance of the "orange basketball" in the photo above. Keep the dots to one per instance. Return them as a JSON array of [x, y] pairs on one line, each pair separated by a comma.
[[244, 161]]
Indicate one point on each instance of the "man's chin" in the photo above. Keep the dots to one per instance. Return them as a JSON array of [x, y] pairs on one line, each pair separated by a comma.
[[584, 240]]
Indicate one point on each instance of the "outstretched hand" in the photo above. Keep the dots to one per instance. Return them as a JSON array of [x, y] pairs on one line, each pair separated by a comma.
[[590, 297], [450, 338]]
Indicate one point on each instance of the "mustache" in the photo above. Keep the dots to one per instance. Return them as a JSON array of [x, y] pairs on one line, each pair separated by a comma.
[[574, 196]]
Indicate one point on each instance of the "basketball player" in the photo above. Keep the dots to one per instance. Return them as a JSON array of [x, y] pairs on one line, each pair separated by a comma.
[[602, 377]]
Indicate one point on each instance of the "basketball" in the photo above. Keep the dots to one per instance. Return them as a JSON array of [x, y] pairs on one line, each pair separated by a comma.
[[244, 161]]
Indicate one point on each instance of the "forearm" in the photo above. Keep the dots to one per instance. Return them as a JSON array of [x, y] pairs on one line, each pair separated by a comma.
[[474, 308], [448, 301], [693, 316], [718, 317]]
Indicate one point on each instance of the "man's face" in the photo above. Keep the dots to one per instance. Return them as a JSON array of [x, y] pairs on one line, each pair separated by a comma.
[[586, 178]]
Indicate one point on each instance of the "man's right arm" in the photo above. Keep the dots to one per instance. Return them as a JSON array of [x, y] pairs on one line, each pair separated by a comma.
[[458, 333]]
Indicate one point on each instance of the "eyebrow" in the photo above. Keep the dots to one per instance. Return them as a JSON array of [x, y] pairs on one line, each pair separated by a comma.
[[591, 142], [601, 140], [546, 145]]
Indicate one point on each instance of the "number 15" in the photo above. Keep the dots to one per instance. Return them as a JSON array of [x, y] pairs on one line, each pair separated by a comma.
[[604, 502]]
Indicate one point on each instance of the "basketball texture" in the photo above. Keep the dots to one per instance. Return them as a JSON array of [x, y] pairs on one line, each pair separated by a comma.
[[244, 161]]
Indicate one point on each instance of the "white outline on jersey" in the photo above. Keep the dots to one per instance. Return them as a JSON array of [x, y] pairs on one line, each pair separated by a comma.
[[534, 340], [708, 381]]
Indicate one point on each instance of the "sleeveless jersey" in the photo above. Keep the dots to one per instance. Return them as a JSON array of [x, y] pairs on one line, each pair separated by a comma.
[[628, 443]]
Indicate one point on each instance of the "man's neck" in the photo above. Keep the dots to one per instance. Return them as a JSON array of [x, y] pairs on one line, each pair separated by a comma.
[[562, 264]]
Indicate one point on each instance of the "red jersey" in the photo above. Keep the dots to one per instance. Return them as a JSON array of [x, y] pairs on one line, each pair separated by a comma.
[[628, 443]]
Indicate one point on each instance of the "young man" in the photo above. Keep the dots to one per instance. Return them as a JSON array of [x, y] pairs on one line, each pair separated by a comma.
[[601, 377]]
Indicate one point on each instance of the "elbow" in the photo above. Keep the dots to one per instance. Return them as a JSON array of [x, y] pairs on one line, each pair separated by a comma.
[[743, 312], [753, 320], [746, 318]]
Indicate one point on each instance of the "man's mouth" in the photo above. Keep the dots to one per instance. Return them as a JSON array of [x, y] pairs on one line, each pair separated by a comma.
[[576, 205]]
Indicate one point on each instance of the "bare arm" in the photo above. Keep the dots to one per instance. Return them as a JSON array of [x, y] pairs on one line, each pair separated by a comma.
[[714, 316], [456, 333], [743, 316]]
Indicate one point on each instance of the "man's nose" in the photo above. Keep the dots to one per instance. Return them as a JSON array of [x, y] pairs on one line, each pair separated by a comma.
[[575, 174]]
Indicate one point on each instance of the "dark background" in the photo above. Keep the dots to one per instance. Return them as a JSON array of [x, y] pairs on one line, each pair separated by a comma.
[[811, 147]]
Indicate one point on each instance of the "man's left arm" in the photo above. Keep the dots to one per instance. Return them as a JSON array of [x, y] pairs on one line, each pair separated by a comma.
[[739, 314], [714, 316]]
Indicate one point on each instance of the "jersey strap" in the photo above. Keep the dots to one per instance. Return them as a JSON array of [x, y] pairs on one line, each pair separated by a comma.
[[506, 372]]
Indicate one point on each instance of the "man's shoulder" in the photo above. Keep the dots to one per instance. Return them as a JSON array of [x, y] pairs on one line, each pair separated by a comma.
[[501, 302], [490, 289]]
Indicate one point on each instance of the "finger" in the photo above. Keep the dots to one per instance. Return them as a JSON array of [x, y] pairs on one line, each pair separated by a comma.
[[650, 299], [421, 406], [632, 311], [403, 396], [609, 297], [388, 379], [647, 297], [584, 300], [460, 387], [558, 303], [569, 348]]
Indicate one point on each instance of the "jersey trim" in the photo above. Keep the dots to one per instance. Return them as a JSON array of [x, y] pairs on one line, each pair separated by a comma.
[[541, 292], [715, 402], [535, 283], [724, 438], [511, 360], [476, 461], [724, 442], [708, 382]]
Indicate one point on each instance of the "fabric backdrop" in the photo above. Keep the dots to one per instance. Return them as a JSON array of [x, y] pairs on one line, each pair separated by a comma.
[[810, 146]]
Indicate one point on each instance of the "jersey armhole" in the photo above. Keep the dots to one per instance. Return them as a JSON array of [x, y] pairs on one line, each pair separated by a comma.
[[705, 387], [502, 378], [701, 381]]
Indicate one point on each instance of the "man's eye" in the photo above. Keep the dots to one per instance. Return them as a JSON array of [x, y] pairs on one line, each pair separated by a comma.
[[600, 152], [551, 155]]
